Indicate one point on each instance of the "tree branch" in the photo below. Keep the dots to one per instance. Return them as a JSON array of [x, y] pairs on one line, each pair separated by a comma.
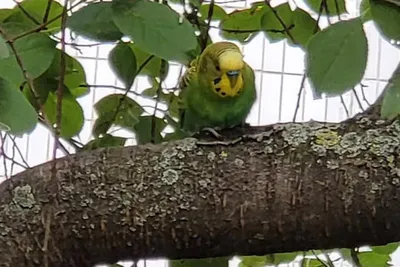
[[284, 187]]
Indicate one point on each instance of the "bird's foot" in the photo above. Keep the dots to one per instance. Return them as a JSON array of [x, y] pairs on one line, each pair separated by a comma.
[[213, 132]]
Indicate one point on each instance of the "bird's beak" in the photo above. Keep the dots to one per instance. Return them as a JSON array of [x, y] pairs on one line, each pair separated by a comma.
[[233, 76]]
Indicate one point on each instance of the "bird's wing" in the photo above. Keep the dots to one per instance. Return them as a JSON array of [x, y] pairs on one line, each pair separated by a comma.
[[188, 75], [185, 82]]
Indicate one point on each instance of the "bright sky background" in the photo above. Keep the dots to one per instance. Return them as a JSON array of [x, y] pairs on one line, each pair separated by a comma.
[[279, 68]]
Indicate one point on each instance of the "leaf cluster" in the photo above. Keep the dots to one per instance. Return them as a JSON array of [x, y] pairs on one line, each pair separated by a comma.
[[147, 37]]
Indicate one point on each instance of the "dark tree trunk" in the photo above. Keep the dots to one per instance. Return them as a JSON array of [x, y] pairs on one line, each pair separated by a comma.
[[287, 187]]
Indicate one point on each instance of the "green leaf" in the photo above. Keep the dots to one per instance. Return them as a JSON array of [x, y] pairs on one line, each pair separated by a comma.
[[14, 29], [337, 56], [148, 129], [387, 17], [4, 52], [299, 23], [253, 261], [335, 7], [346, 254], [36, 10], [173, 106], [106, 140], [365, 10], [279, 258], [72, 118], [74, 75], [122, 61], [43, 86], [152, 68], [390, 105], [95, 22], [150, 24], [242, 25], [217, 14], [36, 52], [5, 13], [304, 27], [16, 113], [386, 249], [269, 21], [116, 109], [151, 91], [372, 259], [212, 262], [311, 263]]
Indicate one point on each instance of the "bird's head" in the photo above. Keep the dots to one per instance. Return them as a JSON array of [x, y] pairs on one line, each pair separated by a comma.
[[223, 64]]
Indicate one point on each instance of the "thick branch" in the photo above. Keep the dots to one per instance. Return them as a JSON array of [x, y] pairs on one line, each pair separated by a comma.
[[286, 187]]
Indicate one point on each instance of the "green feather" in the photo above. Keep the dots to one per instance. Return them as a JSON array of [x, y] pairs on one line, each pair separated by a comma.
[[201, 107]]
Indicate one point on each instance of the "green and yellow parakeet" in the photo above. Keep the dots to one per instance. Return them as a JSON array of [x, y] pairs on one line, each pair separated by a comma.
[[217, 90]]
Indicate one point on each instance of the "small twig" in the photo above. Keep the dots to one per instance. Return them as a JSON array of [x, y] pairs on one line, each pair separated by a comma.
[[357, 99], [28, 80], [128, 90], [26, 12], [119, 88], [353, 254], [47, 11], [19, 151], [13, 161], [299, 96], [344, 106], [57, 128], [3, 152], [326, 8], [321, 261], [253, 31], [106, 86], [60, 88], [285, 28], [328, 259], [219, 143], [304, 75], [158, 95], [337, 10], [363, 94], [83, 45], [41, 26], [60, 145], [205, 33]]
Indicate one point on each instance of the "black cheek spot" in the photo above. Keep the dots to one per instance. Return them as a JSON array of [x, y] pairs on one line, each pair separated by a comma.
[[223, 93], [217, 89], [217, 80], [217, 68]]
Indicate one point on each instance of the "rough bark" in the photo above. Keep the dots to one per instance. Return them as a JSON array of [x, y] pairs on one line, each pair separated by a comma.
[[286, 187]]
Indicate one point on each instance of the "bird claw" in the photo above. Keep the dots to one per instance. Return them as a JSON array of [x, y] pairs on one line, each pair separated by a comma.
[[213, 132]]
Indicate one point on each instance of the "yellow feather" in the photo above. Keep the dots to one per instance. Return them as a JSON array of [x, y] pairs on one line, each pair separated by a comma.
[[215, 62], [231, 60], [225, 88]]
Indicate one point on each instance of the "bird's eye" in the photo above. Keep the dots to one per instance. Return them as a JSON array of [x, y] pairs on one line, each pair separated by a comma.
[[217, 68]]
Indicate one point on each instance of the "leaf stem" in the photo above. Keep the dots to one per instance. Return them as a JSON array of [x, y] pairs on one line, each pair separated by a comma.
[[285, 28], [29, 81]]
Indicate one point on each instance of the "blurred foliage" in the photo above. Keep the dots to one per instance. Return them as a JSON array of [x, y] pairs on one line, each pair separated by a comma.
[[148, 36]]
